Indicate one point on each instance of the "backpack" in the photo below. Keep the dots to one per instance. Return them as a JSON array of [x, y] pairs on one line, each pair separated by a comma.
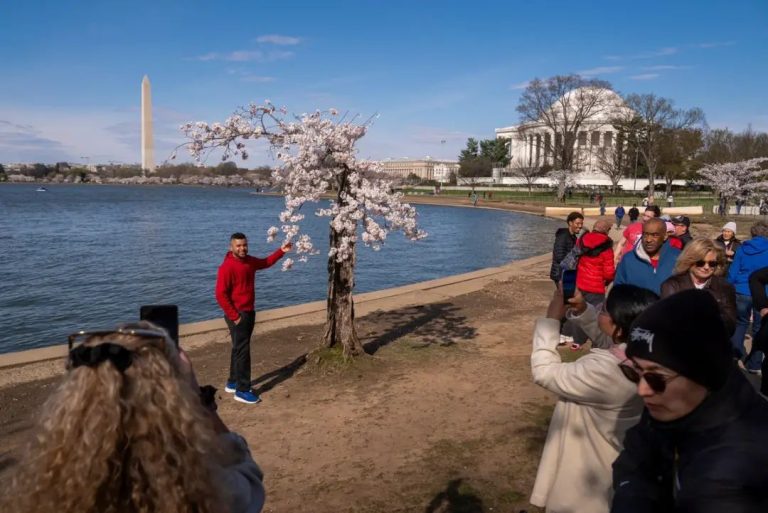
[[571, 260]]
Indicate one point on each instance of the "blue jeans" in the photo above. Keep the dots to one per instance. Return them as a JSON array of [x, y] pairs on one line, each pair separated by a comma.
[[744, 310]]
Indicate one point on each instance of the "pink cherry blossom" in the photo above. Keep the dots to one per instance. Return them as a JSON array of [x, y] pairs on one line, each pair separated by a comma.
[[317, 156]]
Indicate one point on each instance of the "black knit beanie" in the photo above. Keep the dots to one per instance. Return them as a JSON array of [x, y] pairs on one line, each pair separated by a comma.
[[685, 333]]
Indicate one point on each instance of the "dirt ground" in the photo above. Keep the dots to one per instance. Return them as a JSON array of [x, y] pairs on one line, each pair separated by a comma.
[[443, 417]]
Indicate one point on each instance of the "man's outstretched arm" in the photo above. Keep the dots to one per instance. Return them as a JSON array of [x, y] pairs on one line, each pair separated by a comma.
[[263, 263]]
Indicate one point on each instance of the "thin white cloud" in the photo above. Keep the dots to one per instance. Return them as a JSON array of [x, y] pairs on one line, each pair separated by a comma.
[[519, 85], [277, 39], [210, 56], [246, 56], [663, 67], [670, 50], [600, 70], [248, 76], [661, 52], [645, 76], [257, 79], [715, 44]]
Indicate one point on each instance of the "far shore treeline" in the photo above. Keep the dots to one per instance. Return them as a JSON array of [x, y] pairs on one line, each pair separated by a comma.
[[225, 174]]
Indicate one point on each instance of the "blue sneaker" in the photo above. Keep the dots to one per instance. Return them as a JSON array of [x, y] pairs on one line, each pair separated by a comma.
[[230, 387], [247, 397]]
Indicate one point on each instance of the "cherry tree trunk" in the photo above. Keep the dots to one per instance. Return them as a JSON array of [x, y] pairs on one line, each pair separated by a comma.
[[340, 316]]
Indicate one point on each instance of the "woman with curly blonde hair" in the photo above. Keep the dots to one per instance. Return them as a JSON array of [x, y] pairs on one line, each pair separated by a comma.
[[701, 265], [127, 431]]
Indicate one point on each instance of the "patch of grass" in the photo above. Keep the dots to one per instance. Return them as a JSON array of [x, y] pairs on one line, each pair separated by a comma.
[[467, 489], [414, 349], [512, 497], [331, 360]]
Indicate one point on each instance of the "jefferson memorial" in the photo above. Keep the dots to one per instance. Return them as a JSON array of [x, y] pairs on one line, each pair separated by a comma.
[[534, 144]]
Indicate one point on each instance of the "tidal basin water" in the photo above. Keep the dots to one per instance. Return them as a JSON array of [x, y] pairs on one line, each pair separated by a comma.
[[86, 257]]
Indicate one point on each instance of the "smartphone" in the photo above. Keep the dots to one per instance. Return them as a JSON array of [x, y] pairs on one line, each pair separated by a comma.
[[569, 284], [165, 316]]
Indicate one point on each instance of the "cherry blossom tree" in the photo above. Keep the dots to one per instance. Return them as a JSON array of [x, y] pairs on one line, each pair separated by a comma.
[[563, 179], [732, 179], [318, 156]]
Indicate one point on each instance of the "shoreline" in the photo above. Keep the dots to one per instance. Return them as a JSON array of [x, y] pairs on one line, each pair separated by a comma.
[[194, 335], [269, 317]]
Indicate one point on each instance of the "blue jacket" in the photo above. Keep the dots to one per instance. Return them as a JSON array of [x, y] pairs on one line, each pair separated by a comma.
[[751, 256], [635, 268], [619, 212]]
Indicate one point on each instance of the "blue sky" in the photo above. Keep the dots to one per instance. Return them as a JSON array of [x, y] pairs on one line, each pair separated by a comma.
[[433, 70]]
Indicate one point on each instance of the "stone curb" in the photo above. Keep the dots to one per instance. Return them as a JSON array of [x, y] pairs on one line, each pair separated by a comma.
[[421, 293]]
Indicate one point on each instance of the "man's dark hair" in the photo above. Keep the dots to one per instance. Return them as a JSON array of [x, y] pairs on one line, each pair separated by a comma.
[[238, 236], [573, 216], [624, 304], [759, 229], [655, 209]]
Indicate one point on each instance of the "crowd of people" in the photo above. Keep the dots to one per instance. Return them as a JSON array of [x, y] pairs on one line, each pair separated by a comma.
[[660, 414]]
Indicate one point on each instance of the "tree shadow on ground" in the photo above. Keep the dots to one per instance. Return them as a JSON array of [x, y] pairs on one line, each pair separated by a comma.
[[437, 323], [273, 378], [455, 499]]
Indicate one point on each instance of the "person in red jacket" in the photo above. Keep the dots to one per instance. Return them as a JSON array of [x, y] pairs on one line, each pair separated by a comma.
[[235, 293], [595, 269]]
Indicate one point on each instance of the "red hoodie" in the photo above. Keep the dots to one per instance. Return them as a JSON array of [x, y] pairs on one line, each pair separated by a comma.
[[595, 268], [235, 283]]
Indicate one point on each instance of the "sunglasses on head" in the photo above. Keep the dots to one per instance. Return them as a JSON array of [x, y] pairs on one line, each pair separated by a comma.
[[657, 382], [711, 263]]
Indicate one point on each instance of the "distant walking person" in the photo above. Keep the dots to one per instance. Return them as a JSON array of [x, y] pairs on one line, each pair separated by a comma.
[[633, 213], [602, 206], [619, 213], [235, 293]]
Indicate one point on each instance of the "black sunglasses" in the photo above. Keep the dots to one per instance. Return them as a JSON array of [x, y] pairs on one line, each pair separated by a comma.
[[75, 339], [712, 263], [657, 382]]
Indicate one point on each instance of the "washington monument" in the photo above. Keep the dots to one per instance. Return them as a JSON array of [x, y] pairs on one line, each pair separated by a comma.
[[147, 141]]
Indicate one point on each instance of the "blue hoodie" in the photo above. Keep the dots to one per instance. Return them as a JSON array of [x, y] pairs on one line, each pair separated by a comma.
[[751, 256], [635, 268]]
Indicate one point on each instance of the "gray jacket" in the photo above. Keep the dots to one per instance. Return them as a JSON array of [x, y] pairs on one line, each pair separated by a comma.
[[587, 321]]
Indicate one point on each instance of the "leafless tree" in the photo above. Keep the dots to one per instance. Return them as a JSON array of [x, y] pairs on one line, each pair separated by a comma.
[[617, 160], [650, 118], [560, 106], [527, 173]]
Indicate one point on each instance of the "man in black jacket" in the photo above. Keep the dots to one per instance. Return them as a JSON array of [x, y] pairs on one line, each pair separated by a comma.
[[682, 226], [700, 444], [565, 238]]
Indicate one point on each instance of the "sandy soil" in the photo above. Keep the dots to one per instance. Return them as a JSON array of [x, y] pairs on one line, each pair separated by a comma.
[[442, 417]]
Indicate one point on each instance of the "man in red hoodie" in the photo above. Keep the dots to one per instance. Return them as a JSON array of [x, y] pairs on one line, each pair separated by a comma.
[[235, 293]]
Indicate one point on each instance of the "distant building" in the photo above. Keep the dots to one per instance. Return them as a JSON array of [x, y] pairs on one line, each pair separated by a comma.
[[534, 144], [426, 168]]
